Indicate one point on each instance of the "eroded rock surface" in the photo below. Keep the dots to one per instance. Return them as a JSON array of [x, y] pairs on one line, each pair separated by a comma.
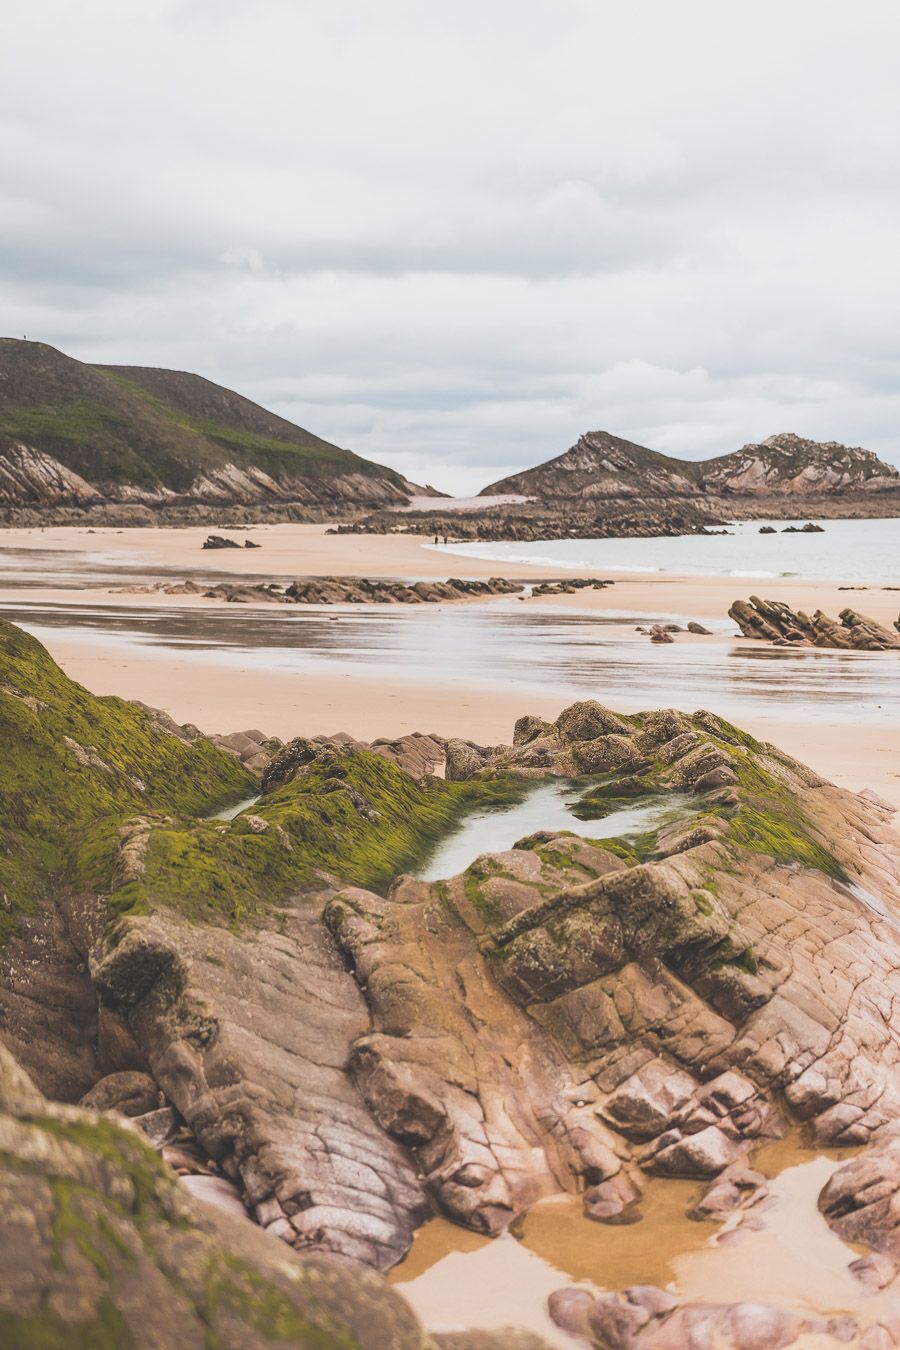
[[776, 622], [100, 1245], [340, 1048]]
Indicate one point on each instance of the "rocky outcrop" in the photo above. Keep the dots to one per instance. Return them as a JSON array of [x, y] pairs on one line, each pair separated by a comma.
[[646, 1318], [365, 591], [773, 621], [638, 517], [787, 464], [343, 1048], [603, 466], [100, 1245]]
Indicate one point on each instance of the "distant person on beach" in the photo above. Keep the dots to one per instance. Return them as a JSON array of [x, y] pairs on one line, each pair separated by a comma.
[[436, 540]]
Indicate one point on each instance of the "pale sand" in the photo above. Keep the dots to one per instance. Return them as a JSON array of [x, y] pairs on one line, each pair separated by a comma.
[[367, 705]]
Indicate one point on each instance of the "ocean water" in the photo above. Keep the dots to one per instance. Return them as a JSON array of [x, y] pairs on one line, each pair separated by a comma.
[[853, 551]]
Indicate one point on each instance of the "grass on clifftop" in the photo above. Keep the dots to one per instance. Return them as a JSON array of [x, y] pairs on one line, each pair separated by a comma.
[[71, 760]]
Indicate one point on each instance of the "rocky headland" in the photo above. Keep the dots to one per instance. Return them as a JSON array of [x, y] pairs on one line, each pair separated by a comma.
[[86, 444], [332, 1050]]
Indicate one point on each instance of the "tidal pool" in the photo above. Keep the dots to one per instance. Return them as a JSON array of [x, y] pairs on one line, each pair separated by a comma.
[[789, 1258], [554, 805]]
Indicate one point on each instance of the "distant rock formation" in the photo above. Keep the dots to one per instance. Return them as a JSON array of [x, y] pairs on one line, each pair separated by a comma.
[[603, 466], [776, 622]]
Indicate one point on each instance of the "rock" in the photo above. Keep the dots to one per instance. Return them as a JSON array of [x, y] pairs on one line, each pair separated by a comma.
[[463, 760], [130, 1093], [586, 721], [219, 541], [650, 1100], [776, 622], [734, 1188], [874, 1270], [251, 543], [159, 1127], [736, 1326], [505, 1338], [656, 1301], [216, 1191], [613, 1201], [697, 1155], [100, 1245], [527, 729], [694, 627], [569, 1309], [861, 1200], [614, 1323], [767, 529]]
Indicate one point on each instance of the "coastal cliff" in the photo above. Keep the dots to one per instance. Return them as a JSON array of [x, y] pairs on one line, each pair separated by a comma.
[[75, 436]]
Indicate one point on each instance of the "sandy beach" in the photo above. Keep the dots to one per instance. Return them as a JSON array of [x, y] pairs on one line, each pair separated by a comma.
[[367, 699]]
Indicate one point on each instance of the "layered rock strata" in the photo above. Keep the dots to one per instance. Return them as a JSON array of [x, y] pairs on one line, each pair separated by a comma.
[[776, 622], [346, 1049]]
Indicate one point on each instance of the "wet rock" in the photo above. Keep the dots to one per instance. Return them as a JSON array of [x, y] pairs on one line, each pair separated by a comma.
[[697, 1155], [874, 1270], [694, 627], [613, 1201], [130, 1093]]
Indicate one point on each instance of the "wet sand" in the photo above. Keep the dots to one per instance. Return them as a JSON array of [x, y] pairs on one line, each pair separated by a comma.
[[307, 550], [833, 710]]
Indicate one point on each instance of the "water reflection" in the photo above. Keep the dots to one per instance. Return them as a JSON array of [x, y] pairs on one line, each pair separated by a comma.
[[500, 644]]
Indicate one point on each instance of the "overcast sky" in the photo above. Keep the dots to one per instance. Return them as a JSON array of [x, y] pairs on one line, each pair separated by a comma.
[[453, 237]]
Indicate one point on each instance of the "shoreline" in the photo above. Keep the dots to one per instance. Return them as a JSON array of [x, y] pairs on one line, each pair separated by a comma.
[[368, 701]]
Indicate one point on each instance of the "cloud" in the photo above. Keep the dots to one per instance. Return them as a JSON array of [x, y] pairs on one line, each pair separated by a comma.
[[456, 238]]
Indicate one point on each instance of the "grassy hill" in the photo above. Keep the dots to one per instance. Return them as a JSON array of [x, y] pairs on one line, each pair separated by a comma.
[[71, 431]]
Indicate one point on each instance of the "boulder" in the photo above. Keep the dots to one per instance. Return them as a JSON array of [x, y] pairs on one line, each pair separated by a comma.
[[130, 1093]]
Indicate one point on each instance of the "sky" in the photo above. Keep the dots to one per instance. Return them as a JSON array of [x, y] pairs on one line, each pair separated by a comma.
[[455, 237]]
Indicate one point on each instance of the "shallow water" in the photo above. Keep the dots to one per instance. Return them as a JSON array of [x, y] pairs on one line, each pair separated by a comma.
[[502, 645], [229, 812], [866, 551], [793, 1260], [548, 806]]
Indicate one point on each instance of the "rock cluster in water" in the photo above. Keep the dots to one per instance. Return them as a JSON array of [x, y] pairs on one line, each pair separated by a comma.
[[313, 1038], [778, 623]]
